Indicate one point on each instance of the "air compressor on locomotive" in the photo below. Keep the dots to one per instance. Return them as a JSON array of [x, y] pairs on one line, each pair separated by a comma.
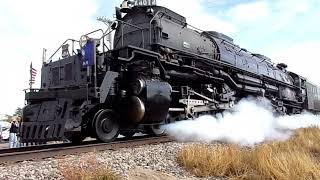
[[160, 70]]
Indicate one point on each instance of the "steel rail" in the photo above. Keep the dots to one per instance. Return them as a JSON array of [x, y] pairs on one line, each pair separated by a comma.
[[50, 151]]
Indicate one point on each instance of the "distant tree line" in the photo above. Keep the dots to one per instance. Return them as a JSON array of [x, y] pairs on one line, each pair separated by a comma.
[[17, 112]]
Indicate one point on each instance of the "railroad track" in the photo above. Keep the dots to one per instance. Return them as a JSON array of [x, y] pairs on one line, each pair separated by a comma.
[[8, 156]]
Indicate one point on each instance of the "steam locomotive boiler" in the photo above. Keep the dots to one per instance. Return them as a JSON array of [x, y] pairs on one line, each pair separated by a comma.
[[159, 70]]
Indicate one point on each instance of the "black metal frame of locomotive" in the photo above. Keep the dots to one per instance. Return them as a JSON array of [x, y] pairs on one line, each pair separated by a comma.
[[160, 70]]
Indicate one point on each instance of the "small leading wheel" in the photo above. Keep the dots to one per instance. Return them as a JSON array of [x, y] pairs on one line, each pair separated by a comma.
[[92, 129], [155, 130], [106, 126]]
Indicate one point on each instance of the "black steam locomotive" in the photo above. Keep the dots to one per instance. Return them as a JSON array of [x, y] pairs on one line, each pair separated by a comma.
[[160, 70]]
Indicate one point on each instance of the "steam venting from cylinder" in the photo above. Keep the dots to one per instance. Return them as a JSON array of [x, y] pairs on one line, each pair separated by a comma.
[[251, 122]]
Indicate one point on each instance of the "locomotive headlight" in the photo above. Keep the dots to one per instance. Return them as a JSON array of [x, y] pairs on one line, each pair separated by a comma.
[[83, 40]]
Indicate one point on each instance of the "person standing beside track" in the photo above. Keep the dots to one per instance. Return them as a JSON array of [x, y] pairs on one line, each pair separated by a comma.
[[19, 144], [0, 133], [13, 140]]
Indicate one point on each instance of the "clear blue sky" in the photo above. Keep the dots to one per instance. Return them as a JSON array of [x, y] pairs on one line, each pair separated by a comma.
[[285, 30]]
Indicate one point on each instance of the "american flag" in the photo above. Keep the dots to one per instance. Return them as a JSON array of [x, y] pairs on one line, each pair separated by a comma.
[[33, 73]]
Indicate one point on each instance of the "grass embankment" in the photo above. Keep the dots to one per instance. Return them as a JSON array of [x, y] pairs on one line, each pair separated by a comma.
[[87, 169], [296, 158]]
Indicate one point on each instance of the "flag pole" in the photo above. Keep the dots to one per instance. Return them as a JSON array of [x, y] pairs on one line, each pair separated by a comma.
[[30, 81], [44, 56]]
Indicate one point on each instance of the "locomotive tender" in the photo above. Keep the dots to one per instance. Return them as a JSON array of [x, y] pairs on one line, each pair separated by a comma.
[[160, 70]]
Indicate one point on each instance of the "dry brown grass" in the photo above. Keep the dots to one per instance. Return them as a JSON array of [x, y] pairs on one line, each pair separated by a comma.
[[297, 158], [225, 161], [87, 169]]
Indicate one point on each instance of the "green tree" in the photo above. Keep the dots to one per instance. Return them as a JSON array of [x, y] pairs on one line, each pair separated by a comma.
[[18, 112], [7, 118]]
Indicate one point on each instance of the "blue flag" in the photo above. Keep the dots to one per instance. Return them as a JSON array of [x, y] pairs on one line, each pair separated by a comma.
[[89, 53]]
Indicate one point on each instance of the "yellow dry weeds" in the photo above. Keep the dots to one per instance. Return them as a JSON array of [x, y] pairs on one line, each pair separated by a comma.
[[297, 158], [88, 169]]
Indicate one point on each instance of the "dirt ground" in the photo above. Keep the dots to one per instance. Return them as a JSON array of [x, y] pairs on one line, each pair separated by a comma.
[[4, 145], [144, 174]]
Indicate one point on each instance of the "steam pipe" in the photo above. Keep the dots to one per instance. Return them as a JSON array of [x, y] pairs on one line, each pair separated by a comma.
[[229, 80]]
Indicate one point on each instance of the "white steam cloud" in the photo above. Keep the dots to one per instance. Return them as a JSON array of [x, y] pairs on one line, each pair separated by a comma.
[[249, 123]]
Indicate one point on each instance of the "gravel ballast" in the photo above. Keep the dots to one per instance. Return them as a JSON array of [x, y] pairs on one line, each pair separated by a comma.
[[157, 158]]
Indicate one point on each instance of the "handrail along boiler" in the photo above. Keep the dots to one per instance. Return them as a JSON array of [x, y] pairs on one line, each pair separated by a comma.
[[160, 70]]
